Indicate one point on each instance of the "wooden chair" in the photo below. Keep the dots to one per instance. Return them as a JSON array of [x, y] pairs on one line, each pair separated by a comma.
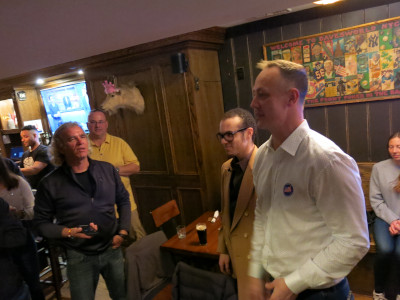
[[165, 213]]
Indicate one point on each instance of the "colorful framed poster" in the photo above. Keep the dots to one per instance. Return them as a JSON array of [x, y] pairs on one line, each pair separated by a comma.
[[354, 64]]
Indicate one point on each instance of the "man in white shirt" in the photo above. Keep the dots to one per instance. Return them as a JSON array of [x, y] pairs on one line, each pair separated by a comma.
[[310, 225]]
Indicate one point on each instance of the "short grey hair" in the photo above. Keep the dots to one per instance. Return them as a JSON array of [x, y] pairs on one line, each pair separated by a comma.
[[290, 71]]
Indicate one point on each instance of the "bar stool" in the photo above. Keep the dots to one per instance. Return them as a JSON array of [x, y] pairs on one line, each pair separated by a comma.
[[48, 251]]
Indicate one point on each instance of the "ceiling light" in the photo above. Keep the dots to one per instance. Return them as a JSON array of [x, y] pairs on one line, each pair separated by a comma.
[[39, 81], [325, 2], [80, 71]]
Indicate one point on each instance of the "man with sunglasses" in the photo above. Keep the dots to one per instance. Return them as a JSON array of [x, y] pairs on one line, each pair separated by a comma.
[[236, 134]]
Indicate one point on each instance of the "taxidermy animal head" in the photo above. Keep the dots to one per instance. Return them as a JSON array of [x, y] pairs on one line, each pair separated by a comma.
[[126, 96]]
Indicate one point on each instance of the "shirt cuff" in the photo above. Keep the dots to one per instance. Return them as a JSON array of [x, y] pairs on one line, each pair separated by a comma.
[[256, 270], [295, 282]]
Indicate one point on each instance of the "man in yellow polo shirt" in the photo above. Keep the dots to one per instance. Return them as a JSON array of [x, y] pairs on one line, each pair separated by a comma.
[[112, 149]]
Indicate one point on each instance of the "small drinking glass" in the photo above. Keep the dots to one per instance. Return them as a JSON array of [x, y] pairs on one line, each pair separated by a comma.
[[181, 231]]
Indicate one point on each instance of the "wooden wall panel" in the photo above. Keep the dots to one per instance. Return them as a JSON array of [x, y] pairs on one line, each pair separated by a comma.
[[379, 129], [337, 124], [316, 119], [207, 110], [394, 9], [353, 18], [291, 31], [358, 117], [191, 204], [227, 70], [179, 122], [376, 13], [331, 23], [395, 116], [31, 108], [310, 27], [255, 54], [241, 63], [273, 34]]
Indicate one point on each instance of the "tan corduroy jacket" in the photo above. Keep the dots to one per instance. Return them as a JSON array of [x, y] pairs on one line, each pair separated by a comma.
[[235, 239]]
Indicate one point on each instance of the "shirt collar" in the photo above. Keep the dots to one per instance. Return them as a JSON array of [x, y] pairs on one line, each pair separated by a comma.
[[107, 140], [292, 143]]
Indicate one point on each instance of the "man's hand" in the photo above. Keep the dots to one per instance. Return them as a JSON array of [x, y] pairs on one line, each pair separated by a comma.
[[278, 290], [224, 261], [76, 232], [256, 290], [118, 240]]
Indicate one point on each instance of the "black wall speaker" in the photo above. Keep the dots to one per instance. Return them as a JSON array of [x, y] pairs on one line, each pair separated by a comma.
[[179, 63]]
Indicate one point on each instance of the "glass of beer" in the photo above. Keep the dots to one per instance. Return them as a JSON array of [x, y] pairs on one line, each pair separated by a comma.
[[202, 233]]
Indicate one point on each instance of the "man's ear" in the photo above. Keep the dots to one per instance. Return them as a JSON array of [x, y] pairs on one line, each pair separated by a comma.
[[294, 96], [251, 132]]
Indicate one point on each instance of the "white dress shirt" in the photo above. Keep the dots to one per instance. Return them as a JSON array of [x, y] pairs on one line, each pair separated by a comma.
[[310, 221]]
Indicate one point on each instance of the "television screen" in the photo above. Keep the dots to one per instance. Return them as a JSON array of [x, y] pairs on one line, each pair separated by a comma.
[[68, 103]]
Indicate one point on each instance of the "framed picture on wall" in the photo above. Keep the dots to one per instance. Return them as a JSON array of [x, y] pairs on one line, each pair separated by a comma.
[[353, 64]]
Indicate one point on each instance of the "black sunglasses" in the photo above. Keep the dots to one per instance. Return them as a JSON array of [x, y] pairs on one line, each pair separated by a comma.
[[229, 135]]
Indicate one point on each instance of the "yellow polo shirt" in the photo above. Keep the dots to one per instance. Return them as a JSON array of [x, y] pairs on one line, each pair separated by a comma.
[[118, 153]]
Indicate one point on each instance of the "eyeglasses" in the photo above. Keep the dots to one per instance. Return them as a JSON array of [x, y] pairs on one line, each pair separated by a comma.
[[101, 122], [229, 135]]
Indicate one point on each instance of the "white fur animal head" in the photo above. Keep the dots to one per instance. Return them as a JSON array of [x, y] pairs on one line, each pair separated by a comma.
[[128, 97]]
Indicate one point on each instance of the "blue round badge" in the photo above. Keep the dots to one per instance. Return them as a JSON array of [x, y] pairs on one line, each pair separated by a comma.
[[288, 189]]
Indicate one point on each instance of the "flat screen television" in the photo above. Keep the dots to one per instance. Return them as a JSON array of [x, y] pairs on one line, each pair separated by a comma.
[[68, 103]]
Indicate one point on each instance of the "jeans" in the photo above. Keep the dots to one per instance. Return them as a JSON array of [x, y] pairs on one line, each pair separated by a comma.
[[387, 254], [83, 273], [340, 291]]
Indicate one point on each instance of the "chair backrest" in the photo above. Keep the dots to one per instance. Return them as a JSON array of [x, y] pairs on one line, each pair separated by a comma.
[[165, 212], [190, 283], [365, 173], [148, 269]]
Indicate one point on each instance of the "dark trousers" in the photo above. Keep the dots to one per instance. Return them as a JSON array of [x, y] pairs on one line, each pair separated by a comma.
[[25, 258], [340, 291]]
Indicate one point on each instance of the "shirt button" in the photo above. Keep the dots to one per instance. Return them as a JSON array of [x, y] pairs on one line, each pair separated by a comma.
[[245, 235], [246, 214]]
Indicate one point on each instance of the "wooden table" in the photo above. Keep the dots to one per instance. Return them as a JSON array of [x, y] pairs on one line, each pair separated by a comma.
[[190, 246]]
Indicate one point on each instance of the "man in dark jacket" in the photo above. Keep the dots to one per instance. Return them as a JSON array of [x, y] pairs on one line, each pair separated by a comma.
[[80, 195]]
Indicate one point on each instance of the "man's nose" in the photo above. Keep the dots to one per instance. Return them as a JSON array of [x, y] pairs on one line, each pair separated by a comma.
[[253, 102]]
